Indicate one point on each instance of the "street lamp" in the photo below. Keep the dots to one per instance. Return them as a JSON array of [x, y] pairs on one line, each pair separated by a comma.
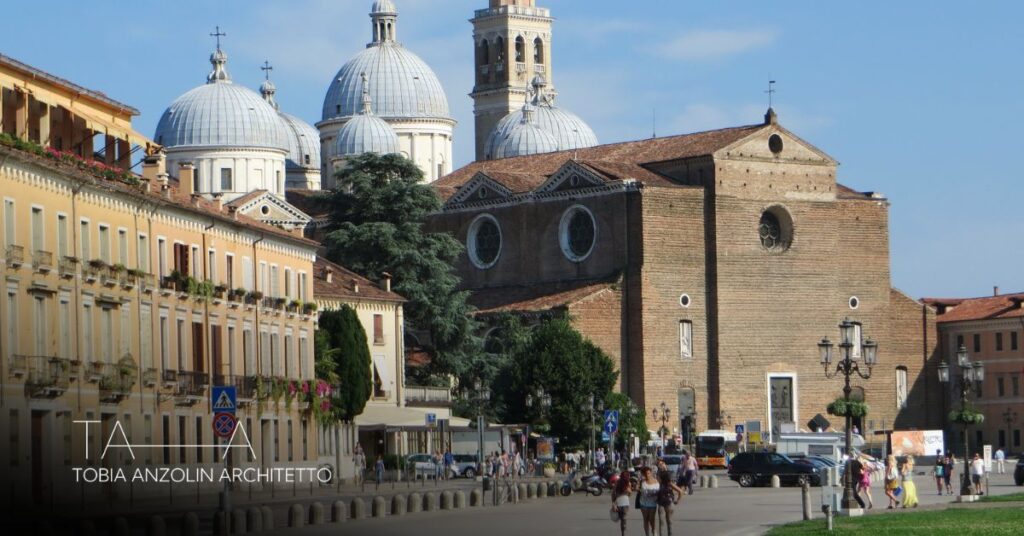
[[662, 416], [483, 396], [972, 376], [848, 364], [594, 409], [1010, 417]]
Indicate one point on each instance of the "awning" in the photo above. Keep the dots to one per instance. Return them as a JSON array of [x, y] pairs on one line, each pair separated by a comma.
[[380, 363], [392, 418]]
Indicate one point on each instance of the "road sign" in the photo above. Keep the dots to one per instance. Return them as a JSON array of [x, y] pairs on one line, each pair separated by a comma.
[[224, 400], [224, 425], [431, 419], [739, 438], [611, 421], [739, 429], [605, 437], [754, 437]]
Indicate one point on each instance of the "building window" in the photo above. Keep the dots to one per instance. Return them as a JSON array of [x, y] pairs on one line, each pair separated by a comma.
[[145, 336], [83, 236], [147, 421], [1016, 438], [288, 283], [775, 229], [1015, 384], [999, 341], [901, 387], [226, 183], [64, 317], [483, 241], [577, 233], [38, 234], [182, 456], [229, 270], [959, 342], [275, 286], [62, 236], [1000, 386], [291, 456], [538, 51], [977, 342], [12, 321], [685, 339], [520, 49], [304, 367], [199, 439], [105, 243], [196, 271], [106, 335], [165, 343], [9, 218], [378, 329], [182, 358], [211, 265], [86, 350], [305, 440], [39, 325], [166, 431], [302, 286], [1013, 340], [289, 367], [122, 246], [161, 256], [143, 253], [249, 367]]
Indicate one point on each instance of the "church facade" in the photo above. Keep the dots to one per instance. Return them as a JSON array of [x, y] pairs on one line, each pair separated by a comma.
[[708, 266]]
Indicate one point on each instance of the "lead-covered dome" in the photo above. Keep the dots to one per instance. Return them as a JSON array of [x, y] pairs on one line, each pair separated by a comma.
[[401, 84], [366, 133], [569, 131], [526, 138], [220, 113], [303, 143]]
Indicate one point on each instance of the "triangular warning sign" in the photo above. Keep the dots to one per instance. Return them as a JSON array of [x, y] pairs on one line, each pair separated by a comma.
[[224, 402]]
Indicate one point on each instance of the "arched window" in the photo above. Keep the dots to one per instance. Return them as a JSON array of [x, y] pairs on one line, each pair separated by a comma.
[[520, 49], [485, 53], [538, 51], [901, 387], [499, 50]]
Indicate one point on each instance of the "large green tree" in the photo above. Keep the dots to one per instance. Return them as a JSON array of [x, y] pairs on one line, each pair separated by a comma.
[[343, 358], [378, 210]]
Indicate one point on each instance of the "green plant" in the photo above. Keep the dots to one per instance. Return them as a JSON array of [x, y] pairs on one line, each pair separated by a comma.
[[200, 289], [841, 407], [135, 272], [98, 263], [295, 304], [308, 307], [256, 295], [967, 416]]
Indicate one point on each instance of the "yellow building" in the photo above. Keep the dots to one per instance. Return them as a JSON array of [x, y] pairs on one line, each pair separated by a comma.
[[125, 299]]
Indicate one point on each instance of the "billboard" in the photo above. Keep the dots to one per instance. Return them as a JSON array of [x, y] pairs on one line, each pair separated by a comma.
[[917, 443]]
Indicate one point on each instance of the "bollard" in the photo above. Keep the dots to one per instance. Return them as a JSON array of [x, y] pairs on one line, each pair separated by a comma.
[[398, 503], [775, 481], [221, 523], [121, 527], [254, 519], [430, 501], [521, 492], [156, 526], [190, 524], [379, 507], [530, 491], [446, 500], [703, 481], [415, 502], [339, 511], [316, 514], [476, 498], [296, 516], [268, 518], [358, 508], [712, 481], [542, 490], [238, 524], [460, 500], [805, 496]]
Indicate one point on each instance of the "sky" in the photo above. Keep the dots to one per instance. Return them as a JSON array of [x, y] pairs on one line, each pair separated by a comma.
[[918, 100]]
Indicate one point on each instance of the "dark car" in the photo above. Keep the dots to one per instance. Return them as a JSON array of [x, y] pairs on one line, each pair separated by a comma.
[[753, 468], [1018, 473]]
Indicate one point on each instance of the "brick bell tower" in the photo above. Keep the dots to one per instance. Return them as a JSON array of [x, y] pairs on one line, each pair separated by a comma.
[[512, 42]]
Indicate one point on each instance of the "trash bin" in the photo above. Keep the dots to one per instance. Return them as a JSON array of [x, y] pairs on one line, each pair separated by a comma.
[[487, 483]]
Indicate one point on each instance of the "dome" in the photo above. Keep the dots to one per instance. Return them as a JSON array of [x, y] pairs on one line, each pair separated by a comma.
[[366, 133], [401, 84], [567, 129], [220, 113], [525, 138], [303, 143]]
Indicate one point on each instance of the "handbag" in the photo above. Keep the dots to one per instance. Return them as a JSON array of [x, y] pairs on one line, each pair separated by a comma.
[[896, 492], [613, 513], [637, 502]]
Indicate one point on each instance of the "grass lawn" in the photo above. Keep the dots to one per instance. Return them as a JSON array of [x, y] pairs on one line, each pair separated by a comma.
[[1013, 497], [959, 521]]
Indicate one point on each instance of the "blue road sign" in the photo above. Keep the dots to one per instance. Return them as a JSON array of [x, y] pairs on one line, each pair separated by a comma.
[[224, 425], [611, 421], [431, 419], [739, 428], [224, 399], [605, 437]]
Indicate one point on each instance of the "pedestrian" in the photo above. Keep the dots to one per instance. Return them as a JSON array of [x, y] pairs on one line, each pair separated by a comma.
[[503, 464], [600, 457], [863, 484], [620, 499], [857, 475], [938, 470], [438, 464], [1000, 458], [947, 475], [359, 463], [691, 473], [669, 494], [909, 488], [487, 465], [977, 471], [892, 481], [647, 499], [449, 462], [378, 468]]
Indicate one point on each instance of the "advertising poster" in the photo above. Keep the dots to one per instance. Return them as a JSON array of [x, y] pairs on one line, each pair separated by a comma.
[[918, 443], [546, 449]]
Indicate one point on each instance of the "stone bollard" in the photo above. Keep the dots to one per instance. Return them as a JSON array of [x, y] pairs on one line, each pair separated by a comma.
[[430, 501], [156, 526], [398, 503], [296, 516], [254, 519], [805, 497], [339, 511], [190, 524], [703, 481], [221, 523], [476, 498], [121, 527], [238, 525], [446, 500], [459, 500], [531, 490], [542, 490], [379, 507], [712, 481], [268, 518], [775, 481], [358, 508], [316, 513], [415, 502]]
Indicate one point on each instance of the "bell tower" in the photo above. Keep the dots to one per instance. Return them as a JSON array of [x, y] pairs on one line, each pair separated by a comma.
[[512, 41]]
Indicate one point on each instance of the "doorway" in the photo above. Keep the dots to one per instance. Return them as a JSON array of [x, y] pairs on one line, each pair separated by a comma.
[[39, 489], [781, 402]]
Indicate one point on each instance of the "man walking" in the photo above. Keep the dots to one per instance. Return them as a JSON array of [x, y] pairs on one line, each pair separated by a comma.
[[977, 471], [449, 462], [1000, 458], [939, 470]]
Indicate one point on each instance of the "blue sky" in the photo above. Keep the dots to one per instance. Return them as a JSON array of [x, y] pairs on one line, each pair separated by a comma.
[[918, 100]]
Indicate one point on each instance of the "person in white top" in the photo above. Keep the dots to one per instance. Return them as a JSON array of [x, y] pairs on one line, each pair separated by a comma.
[[977, 471], [1000, 458]]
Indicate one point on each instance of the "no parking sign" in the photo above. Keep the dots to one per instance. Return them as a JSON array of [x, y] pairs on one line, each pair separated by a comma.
[[224, 425]]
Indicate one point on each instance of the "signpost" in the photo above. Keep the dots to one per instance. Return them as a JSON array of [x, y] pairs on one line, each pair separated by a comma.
[[610, 428], [224, 425], [223, 403]]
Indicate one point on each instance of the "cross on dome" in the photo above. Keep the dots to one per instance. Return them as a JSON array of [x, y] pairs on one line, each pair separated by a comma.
[[219, 60], [267, 88]]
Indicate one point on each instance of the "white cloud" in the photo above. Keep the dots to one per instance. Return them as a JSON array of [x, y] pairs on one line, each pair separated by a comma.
[[710, 45]]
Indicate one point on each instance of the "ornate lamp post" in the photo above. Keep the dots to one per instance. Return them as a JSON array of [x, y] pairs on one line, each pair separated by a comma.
[[848, 365], [594, 409], [1009, 417], [483, 396], [972, 376], [664, 415]]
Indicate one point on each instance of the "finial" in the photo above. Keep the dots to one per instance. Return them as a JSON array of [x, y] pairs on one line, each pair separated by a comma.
[[266, 68], [367, 101], [267, 88], [218, 34], [218, 59], [770, 92]]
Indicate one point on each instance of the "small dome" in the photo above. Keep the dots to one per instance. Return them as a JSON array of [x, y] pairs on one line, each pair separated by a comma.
[[366, 133], [220, 113], [303, 143], [567, 129], [525, 138], [384, 7]]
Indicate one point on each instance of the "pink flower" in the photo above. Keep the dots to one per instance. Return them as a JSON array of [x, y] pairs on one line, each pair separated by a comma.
[[325, 405], [291, 388], [305, 388]]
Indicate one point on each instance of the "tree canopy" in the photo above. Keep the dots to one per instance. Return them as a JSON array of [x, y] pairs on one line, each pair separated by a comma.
[[343, 358]]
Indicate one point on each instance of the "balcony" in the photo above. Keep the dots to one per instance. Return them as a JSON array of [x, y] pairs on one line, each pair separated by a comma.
[[128, 279], [245, 387], [538, 68], [91, 270], [117, 380], [147, 283], [170, 378], [149, 377], [42, 261], [15, 256], [191, 387], [520, 67], [48, 376], [67, 266], [109, 276], [428, 397], [18, 366]]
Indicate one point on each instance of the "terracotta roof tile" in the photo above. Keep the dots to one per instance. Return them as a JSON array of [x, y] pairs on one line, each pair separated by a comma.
[[343, 283], [311, 202], [536, 298], [984, 308]]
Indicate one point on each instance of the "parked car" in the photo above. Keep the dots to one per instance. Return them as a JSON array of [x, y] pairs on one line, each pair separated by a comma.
[[753, 468], [421, 464], [1018, 473], [465, 465]]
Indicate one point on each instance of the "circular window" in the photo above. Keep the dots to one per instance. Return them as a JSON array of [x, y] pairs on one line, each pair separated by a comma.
[[775, 229], [775, 144], [482, 194], [854, 302], [484, 241], [684, 300], [574, 180], [265, 210], [577, 233]]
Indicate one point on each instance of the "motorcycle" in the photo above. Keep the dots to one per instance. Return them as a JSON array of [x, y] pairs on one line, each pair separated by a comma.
[[590, 484]]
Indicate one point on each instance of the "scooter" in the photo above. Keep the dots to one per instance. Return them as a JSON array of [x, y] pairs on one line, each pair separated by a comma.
[[587, 485]]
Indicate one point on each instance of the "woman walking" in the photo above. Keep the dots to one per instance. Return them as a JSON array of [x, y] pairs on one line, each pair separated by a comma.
[[669, 494], [620, 499], [892, 481], [948, 474], [938, 470], [909, 489], [647, 499], [864, 485]]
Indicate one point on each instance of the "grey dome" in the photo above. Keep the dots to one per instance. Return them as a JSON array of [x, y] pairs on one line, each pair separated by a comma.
[[567, 129], [366, 134], [525, 138], [220, 113], [384, 6], [303, 143]]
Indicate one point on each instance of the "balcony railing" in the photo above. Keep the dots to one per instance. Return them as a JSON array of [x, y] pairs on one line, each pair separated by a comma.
[[538, 68], [128, 280], [520, 66], [485, 69], [15, 255], [18, 365], [149, 377], [191, 387], [428, 396], [108, 276], [42, 261], [116, 381], [245, 386], [91, 272], [48, 376], [147, 282], [66, 266]]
